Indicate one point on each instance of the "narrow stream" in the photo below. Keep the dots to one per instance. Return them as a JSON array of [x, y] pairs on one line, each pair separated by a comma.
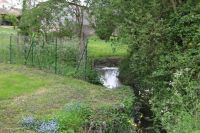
[[109, 76]]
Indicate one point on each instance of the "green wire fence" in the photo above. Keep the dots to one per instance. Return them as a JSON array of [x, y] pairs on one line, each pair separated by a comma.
[[58, 55]]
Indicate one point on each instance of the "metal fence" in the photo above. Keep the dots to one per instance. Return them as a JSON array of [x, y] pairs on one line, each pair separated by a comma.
[[59, 55]]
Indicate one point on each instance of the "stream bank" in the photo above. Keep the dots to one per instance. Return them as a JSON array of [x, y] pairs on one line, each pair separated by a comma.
[[109, 76], [108, 62]]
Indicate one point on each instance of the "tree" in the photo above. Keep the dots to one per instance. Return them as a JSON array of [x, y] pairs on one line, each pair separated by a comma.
[[65, 18], [12, 19]]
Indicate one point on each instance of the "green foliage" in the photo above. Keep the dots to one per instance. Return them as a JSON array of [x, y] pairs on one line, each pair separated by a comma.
[[112, 120], [177, 77], [103, 11], [74, 117], [179, 108], [36, 19], [161, 49], [163, 42], [92, 76], [125, 72], [79, 117], [12, 19]]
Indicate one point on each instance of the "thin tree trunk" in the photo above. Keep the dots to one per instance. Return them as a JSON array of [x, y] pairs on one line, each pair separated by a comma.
[[173, 2], [81, 31]]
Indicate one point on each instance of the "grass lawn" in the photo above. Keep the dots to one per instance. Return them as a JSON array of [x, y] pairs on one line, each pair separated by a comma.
[[14, 84], [101, 49], [7, 30], [32, 92]]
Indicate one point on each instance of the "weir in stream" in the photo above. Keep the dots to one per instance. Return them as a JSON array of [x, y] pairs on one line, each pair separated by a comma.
[[109, 77]]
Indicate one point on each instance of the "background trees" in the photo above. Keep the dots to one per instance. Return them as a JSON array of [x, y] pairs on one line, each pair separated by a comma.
[[12, 19], [62, 18]]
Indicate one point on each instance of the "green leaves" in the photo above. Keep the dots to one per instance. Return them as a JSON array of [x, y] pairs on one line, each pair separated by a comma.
[[49, 16], [164, 58], [11, 18]]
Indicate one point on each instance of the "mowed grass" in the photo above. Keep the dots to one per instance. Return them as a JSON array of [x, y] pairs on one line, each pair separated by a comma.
[[14, 84], [31, 92], [101, 49], [7, 30]]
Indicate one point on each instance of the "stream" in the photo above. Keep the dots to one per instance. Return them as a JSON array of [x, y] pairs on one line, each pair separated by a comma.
[[109, 78]]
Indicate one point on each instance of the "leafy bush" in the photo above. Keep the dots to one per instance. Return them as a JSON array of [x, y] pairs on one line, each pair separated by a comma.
[[163, 62], [92, 76], [179, 108], [112, 120], [104, 26], [77, 117], [12, 19], [74, 117]]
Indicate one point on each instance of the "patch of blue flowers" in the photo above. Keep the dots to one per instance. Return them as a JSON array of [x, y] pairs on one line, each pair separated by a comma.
[[48, 127], [51, 126], [29, 122]]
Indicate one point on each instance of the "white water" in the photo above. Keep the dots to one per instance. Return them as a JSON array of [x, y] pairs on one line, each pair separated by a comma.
[[109, 77]]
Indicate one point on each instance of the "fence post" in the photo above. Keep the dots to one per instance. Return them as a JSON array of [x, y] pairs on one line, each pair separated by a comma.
[[17, 39], [56, 55], [32, 52], [86, 54], [10, 48], [24, 48]]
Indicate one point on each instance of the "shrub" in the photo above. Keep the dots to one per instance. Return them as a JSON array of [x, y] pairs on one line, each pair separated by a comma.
[[112, 119], [74, 117], [12, 19], [164, 59]]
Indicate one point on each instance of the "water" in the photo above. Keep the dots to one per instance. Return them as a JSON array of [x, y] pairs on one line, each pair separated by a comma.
[[109, 77]]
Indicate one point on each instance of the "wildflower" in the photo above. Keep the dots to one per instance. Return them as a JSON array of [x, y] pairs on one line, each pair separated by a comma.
[[48, 127], [177, 74], [29, 122], [187, 69]]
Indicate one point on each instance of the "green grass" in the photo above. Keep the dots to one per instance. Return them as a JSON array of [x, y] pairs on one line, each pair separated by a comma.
[[32, 92], [7, 30], [101, 49], [14, 84], [5, 33]]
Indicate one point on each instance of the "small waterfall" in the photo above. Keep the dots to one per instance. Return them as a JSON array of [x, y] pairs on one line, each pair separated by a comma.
[[109, 77]]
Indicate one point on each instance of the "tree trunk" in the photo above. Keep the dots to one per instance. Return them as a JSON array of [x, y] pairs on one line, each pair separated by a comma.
[[180, 1], [173, 2]]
